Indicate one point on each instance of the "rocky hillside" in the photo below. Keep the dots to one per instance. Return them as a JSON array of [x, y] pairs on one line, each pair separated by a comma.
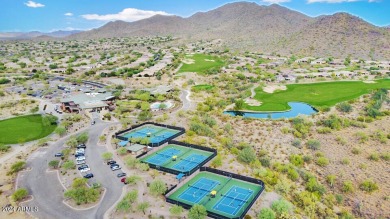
[[249, 26]]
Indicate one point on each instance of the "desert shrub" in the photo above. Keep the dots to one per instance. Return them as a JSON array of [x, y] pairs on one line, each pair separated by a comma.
[[265, 161], [157, 187], [19, 194], [296, 143], [4, 148], [296, 160], [197, 212], [313, 144], [368, 185], [331, 179], [344, 107], [312, 185], [266, 213], [385, 156], [322, 161], [16, 167], [374, 157], [247, 155], [281, 206], [347, 186], [356, 151]]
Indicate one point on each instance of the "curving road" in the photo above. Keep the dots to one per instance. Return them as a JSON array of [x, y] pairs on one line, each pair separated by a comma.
[[47, 190], [185, 98]]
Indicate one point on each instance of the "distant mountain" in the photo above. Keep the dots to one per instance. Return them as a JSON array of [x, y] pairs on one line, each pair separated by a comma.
[[253, 27], [34, 34]]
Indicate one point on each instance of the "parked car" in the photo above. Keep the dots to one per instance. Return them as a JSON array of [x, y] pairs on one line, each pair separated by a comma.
[[58, 155], [88, 176], [121, 175], [115, 168], [80, 162], [124, 180], [93, 123], [79, 155], [114, 165], [85, 170], [80, 151], [82, 167], [80, 158], [81, 146], [111, 162]]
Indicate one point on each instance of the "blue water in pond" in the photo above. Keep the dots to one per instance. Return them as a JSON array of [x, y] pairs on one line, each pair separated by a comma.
[[297, 108]]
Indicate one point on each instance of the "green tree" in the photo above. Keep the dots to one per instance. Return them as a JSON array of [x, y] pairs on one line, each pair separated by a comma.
[[197, 212], [157, 187], [107, 155], [176, 210], [69, 164], [16, 167], [19, 194], [72, 142], [296, 160], [266, 213], [54, 164], [131, 162], [82, 138], [122, 151], [247, 155], [143, 206], [238, 104]]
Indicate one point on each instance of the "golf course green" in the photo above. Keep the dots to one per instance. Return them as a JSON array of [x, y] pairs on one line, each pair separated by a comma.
[[318, 95], [25, 128], [200, 63]]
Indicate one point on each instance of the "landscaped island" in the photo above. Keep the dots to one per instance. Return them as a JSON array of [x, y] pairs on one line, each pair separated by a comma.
[[26, 128], [318, 95]]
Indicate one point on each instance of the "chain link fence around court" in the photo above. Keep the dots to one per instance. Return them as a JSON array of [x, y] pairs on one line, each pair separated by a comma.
[[230, 175], [163, 141], [190, 146]]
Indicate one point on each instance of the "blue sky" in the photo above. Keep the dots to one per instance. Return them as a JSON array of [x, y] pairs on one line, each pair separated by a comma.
[[49, 15]]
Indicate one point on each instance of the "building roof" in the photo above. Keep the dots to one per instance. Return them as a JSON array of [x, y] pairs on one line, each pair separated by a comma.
[[89, 101], [135, 147], [161, 89]]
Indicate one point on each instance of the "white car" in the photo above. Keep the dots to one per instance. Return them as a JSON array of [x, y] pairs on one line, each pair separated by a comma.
[[80, 158], [85, 170], [80, 150], [115, 168]]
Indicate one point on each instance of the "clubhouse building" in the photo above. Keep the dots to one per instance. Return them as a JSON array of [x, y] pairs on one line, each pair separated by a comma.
[[87, 101]]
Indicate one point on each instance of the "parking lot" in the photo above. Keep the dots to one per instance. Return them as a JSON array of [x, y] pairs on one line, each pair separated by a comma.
[[42, 184]]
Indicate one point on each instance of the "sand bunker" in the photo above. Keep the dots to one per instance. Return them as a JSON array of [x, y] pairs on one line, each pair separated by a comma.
[[188, 61], [252, 102], [209, 60], [272, 88], [369, 82]]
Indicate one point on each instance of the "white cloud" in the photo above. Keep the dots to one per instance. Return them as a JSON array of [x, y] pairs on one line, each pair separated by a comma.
[[275, 1], [337, 1], [68, 14], [128, 14], [32, 4]]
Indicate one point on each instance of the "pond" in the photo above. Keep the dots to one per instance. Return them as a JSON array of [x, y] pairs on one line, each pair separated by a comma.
[[297, 108]]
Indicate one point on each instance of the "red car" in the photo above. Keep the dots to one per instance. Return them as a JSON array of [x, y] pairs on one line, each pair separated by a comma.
[[124, 180]]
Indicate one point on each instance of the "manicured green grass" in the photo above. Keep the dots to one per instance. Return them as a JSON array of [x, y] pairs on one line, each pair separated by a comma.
[[318, 95], [202, 63], [202, 87], [23, 129]]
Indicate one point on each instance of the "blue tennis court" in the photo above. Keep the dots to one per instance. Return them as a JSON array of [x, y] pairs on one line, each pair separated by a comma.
[[163, 157], [154, 133], [232, 202], [197, 191], [188, 163]]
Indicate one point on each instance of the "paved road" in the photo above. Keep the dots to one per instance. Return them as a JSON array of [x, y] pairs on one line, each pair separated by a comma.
[[185, 98], [47, 190]]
